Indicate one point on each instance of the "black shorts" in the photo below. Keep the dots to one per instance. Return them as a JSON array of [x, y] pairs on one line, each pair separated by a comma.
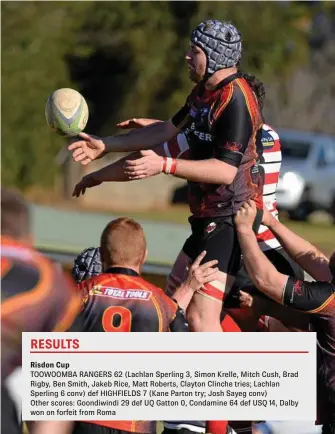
[[92, 428], [283, 263], [219, 238], [9, 420]]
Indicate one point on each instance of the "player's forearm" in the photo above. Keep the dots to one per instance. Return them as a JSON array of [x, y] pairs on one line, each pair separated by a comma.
[[139, 139], [183, 296], [302, 251], [210, 171], [114, 172], [260, 270]]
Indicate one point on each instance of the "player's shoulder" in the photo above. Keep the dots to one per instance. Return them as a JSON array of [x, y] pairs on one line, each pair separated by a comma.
[[237, 95], [23, 267]]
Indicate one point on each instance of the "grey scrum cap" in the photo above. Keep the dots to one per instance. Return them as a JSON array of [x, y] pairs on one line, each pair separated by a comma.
[[87, 264], [221, 42]]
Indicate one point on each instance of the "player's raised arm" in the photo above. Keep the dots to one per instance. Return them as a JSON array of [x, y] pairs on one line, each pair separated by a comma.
[[116, 172], [233, 129], [263, 274], [136, 123], [302, 251], [89, 147]]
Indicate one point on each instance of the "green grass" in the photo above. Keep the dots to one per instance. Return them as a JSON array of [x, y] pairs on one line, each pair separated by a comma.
[[320, 234]]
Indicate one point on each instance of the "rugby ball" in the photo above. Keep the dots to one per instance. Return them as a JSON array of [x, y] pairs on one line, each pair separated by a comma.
[[66, 112]]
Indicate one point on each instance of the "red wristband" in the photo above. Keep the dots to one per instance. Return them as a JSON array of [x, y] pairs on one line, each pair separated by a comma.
[[173, 166], [169, 165]]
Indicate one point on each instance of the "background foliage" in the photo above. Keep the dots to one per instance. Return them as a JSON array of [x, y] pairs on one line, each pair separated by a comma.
[[126, 58]]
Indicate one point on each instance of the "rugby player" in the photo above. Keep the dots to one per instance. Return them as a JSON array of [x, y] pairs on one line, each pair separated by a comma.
[[36, 295], [316, 299], [268, 143], [220, 120], [117, 299]]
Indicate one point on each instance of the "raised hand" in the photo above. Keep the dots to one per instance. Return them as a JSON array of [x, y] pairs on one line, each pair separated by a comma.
[[198, 274], [87, 149], [87, 181]]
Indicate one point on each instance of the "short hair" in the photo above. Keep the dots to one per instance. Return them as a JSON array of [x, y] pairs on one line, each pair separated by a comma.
[[15, 215], [123, 242]]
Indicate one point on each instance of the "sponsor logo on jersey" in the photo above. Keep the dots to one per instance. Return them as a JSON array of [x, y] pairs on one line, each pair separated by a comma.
[[297, 288], [96, 290], [123, 294], [267, 140], [210, 228], [207, 137]]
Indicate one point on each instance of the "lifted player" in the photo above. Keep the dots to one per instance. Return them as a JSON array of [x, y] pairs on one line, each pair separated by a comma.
[[220, 120]]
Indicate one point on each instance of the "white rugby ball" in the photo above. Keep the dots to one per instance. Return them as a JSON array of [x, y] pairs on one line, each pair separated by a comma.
[[66, 112]]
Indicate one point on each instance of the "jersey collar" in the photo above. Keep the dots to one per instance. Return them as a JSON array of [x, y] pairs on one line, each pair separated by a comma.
[[228, 79], [121, 270]]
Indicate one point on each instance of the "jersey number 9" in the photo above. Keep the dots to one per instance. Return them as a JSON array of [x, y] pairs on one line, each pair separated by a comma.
[[116, 319]]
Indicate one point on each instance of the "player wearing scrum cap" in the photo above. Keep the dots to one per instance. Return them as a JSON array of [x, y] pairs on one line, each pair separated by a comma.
[[220, 120]]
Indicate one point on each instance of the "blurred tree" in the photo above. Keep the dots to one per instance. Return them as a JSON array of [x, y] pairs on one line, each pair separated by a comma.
[[35, 38], [127, 59]]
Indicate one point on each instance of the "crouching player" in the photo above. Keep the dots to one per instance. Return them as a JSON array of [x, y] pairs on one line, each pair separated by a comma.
[[112, 302]]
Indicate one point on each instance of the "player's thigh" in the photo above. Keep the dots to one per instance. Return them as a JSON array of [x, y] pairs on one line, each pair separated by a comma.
[[178, 272], [204, 310], [221, 244]]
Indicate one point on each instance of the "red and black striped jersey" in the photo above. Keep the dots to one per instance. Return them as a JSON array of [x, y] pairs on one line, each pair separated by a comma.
[[317, 299], [222, 124], [119, 300]]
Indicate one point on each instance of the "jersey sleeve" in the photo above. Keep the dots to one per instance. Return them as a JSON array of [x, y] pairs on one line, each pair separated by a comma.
[[232, 130], [309, 297], [179, 322]]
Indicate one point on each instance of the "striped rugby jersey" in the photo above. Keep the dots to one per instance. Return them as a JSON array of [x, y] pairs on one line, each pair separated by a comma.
[[270, 161]]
